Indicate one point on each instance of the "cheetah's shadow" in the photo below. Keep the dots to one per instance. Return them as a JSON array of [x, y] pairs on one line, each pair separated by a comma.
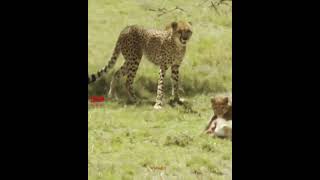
[[186, 106]]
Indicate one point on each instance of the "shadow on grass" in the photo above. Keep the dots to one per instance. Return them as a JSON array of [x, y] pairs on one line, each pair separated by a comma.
[[145, 87]]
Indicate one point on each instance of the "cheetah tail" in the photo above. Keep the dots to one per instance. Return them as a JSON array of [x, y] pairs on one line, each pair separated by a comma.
[[110, 64]]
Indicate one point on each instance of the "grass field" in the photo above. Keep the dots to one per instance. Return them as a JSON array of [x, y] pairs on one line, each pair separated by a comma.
[[137, 142]]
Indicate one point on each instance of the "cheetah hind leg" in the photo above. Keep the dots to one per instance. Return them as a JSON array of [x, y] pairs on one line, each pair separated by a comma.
[[132, 58], [132, 99]]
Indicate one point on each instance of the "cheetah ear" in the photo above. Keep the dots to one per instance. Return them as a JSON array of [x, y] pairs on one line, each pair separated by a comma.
[[174, 25], [226, 100], [213, 101], [190, 23]]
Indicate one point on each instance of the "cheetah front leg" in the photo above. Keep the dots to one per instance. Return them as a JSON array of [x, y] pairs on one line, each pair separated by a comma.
[[175, 83], [160, 90]]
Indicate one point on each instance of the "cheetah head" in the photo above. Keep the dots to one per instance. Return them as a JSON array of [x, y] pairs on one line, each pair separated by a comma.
[[181, 32], [220, 105]]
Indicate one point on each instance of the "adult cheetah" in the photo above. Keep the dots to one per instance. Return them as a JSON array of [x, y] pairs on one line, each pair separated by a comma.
[[165, 48]]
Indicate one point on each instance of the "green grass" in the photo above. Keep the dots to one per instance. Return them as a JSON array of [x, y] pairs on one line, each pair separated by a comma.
[[137, 142]]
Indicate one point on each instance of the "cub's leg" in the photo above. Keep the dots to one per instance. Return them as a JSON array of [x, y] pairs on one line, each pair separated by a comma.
[[211, 125], [160, 89]]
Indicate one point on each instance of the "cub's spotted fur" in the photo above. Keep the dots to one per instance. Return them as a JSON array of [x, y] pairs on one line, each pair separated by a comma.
[[165, 48]]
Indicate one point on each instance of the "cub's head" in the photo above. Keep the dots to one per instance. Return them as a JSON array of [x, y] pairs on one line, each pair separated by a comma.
[[220, 105], [181, 32]]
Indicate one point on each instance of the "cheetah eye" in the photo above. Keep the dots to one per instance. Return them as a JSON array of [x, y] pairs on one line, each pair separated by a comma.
[[180, 31]]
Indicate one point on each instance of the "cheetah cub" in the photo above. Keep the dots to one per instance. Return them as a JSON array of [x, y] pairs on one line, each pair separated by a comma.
[[220, 124]]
